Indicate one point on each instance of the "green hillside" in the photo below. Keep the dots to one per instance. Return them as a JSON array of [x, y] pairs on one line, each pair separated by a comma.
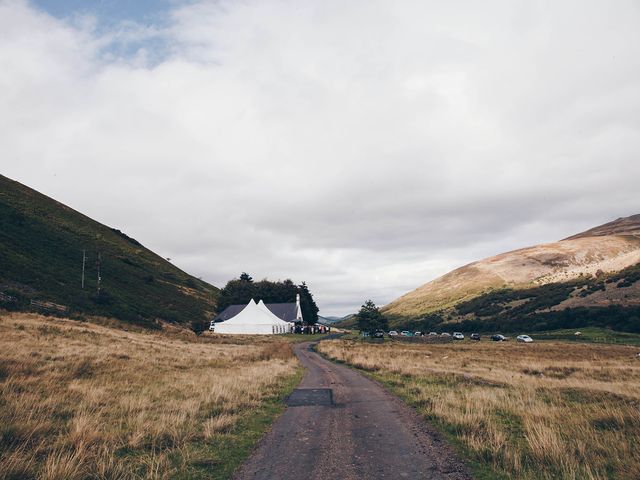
[[41, 256], [606, 249], [607, 301], [591, 279]]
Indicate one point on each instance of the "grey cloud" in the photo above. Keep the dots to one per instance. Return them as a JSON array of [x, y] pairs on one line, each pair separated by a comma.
[[365, 147]]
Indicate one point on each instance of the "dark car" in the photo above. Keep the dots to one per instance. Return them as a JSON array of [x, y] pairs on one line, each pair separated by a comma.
[[475, 336], [378, 334], [498, 338]]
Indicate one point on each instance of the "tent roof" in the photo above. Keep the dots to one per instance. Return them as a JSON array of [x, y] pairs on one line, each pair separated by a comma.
[[254, 314], [284, 311]]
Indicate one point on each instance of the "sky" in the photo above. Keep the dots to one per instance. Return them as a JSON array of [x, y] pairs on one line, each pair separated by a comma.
[[365, 147]]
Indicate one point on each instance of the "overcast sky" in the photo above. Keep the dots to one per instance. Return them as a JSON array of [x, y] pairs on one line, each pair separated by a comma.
[[365, 147]]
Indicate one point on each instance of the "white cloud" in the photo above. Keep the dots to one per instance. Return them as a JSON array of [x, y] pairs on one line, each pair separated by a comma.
[[364, 147]]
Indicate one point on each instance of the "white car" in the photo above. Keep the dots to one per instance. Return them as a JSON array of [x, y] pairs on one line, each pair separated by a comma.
[[458, 336], [445, 334], [393, 333], [524, 339], [433, 334], [212, 326]]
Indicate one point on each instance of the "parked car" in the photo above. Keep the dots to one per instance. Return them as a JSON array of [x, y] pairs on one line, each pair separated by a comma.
[[378, 334], [498, 338], [458, 336], [435, 334], [445, 334], [524, 339], [475, 336], [393, 333], [406, 333], [417, 334], [212, 326]]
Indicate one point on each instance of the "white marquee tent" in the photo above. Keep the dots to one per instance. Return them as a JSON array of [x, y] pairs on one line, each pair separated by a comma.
[[254, 319]]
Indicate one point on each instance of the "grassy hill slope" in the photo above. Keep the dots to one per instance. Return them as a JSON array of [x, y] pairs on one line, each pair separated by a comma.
[[41, 251], [596, 269]]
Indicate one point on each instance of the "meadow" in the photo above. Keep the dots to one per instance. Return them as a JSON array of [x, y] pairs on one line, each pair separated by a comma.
[[86, 401], [546, 410]]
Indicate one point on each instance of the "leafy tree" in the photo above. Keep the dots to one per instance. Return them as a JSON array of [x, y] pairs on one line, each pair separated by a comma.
[[275, 292], [370, 319], [236, 291], [198, 326], [245, 277]]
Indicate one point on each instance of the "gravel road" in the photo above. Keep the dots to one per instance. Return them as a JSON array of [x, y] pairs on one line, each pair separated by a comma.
[[341, 425]]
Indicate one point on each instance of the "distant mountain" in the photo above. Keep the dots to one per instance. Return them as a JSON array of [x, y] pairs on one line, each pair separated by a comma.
[[41, 257], [621, 226], [333, 320], [325, 320], [593, 269]]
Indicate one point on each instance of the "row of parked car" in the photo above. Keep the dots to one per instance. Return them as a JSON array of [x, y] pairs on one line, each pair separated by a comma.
[[456, 336]]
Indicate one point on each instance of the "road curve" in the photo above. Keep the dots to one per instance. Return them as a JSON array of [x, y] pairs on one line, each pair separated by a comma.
[[355, 430]]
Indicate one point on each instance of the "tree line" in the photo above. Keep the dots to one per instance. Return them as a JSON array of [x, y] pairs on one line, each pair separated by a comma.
[[242, 289]]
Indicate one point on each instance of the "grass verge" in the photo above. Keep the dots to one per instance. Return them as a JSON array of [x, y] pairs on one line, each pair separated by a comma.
[[219, 458], [590, 335], [542, 411], [80, 400]]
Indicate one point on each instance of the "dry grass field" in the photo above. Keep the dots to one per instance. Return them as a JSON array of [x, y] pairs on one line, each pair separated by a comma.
[[84, 401], [547, 410]]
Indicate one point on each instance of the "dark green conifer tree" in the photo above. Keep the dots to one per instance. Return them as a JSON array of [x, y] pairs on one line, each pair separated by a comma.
[[370, 319]]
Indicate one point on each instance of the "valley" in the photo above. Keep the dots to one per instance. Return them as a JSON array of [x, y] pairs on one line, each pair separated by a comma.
[[114, 382]]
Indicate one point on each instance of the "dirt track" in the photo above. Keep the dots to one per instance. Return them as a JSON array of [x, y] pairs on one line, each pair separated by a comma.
[[341, 425]]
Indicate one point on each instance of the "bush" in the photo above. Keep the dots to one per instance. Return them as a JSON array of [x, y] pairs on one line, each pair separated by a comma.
[[102, 298], [199, 326]]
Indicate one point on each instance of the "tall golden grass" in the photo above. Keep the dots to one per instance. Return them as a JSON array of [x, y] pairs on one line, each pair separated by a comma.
[[79, 400], [526, 411]]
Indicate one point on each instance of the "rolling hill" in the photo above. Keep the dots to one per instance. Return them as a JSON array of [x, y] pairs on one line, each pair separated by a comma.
[[596, 269], [331, 320], [41, 255]]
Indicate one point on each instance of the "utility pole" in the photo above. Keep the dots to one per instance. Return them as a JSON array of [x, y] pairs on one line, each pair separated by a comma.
[[98, 262], [84, 259]]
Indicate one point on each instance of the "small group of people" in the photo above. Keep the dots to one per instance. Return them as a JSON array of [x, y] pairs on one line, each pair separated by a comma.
[[311, 329]]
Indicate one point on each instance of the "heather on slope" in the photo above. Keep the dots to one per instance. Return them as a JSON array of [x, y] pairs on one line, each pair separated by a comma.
[[41, 260]]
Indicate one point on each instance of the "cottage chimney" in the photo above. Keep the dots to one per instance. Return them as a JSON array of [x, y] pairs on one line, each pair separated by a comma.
[[298, 308]]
